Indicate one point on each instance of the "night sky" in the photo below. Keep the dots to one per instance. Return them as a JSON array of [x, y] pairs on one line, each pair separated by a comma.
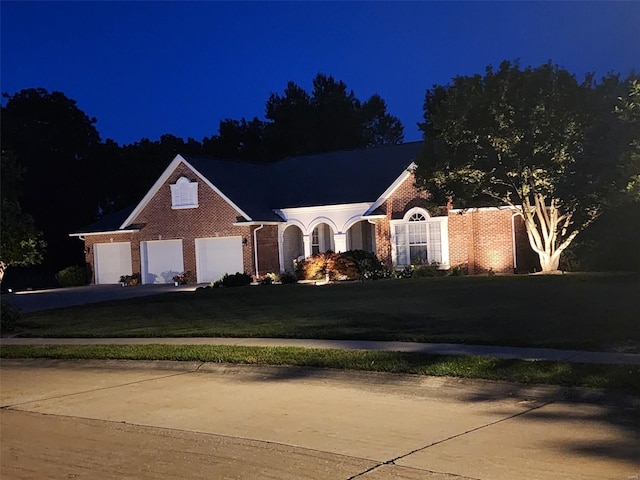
[[148, 68]]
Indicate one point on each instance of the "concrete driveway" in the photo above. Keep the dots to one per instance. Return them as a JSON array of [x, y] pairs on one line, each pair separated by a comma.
[[155, 420], [32, 301]]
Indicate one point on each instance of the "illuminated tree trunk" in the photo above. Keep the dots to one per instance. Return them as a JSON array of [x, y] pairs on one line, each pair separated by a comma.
[[547, 230]]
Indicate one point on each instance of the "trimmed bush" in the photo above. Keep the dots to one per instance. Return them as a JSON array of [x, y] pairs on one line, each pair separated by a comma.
[[234, 280], [368, 264], [328, 265], [286, 277], [74, 276]]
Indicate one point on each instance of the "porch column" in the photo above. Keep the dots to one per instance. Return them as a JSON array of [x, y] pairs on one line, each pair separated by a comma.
[[340, 242], [306, 242]]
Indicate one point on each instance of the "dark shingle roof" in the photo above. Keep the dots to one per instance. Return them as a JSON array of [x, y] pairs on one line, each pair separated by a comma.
[[348, 176], [246, 184], [333, 178], [108, 223]]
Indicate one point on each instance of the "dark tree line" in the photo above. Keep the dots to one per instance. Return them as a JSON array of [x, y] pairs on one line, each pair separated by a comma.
[[68, 177]]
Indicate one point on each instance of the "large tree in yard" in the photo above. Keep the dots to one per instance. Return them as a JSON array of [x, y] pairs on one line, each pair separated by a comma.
[[537, 139], [55, 143], [21, 243]]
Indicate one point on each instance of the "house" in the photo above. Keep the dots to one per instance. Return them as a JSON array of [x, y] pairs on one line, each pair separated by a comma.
[[213, 216]]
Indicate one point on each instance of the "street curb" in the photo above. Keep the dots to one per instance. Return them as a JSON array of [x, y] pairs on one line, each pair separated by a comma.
[[445, 388]]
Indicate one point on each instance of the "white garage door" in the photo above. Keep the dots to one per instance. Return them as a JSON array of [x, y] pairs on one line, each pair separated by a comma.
[[217, 256], [161, 260], [111, 261]]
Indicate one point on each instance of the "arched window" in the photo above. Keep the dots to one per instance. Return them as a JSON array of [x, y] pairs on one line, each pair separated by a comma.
[[184, 193], [418, 239]]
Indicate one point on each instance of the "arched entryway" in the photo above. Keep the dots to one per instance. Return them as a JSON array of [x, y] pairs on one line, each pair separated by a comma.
[[322, 239], [361, 236], [292, 247]]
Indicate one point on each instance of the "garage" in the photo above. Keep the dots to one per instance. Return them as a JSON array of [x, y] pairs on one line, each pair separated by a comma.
[[217, 256], [161, 260], [111, 260]]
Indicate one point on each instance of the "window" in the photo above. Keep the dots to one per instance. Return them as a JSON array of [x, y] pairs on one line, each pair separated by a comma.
[[315, 241], [184, 194], [321, 239], [418, 239]]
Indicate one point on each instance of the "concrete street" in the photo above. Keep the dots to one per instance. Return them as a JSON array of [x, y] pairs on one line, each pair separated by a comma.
[[164, 420]]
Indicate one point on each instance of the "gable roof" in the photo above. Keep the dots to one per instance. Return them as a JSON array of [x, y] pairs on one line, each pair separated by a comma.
[[256, 190], [248, 185], [348, 176], [333, 178]]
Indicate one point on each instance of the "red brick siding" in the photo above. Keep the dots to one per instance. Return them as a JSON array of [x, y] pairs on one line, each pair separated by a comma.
[[214, 217], [406, 196], [527, 260], [482, 240], [268, 258]]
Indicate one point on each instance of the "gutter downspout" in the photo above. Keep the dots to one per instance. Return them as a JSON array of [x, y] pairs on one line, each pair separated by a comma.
[[513, 240], [255, 248]]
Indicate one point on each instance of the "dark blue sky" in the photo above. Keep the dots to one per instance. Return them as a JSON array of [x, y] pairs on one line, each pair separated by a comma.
[[148, 68]]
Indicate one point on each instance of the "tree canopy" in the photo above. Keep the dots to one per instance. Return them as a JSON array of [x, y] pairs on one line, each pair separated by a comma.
[[328, 118], [534, 138], [54, 142], [21, 243]]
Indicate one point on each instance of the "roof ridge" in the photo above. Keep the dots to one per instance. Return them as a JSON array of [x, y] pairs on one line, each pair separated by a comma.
[[345, 150], [221, 159]]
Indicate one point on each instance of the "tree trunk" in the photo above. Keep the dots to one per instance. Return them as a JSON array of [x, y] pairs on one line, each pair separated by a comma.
[[549, 263], [545, 229]]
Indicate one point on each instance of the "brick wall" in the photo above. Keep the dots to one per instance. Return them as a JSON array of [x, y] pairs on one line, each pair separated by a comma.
[[482, 239], [399, 202], [268, 259], [214, 217]]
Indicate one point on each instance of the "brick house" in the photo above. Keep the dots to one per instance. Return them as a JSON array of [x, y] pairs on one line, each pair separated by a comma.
[[213, 216]]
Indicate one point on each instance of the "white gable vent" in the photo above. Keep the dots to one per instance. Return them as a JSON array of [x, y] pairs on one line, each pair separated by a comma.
[[184, 194]]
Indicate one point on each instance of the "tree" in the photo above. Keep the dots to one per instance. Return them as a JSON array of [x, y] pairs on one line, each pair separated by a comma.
[[298, 123], [629, 112], [535, 139], [21, 242], [54, 141]]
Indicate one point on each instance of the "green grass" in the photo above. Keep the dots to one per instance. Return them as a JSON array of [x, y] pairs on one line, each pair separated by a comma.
[[591, 312], [612, 377]]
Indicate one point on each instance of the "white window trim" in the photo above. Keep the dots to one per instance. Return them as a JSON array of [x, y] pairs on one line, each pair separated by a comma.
[[444, 234], [183, 184]]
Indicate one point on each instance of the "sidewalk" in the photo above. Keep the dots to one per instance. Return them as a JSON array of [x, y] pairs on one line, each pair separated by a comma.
[[572, 356]]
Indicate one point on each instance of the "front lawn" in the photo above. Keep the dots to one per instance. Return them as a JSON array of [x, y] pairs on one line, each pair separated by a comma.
[[592, 312]]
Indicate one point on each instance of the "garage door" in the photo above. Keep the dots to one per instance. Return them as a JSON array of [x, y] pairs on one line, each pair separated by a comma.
[[111, 260], [217, 256], [161, 260]]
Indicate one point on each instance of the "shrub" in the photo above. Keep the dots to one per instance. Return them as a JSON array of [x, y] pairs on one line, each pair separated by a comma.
[[73, 276], [9, 315], [234, 280], [270, 279], [425, 271], [184, 278], [287, 278], [458, 270], [368, 265], [328, 265], [130, 280]]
